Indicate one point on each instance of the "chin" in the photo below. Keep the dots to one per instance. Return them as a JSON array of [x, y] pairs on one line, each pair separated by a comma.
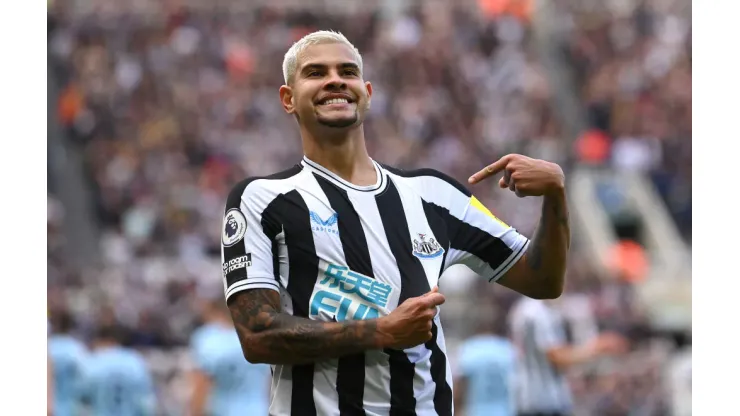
[[338, 122]]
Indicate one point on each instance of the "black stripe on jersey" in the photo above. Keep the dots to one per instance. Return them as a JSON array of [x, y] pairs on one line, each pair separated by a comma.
[[291, 211], [439, 228], [233, 201], [413, 278], [413, 283], [438, 361], [471, 239], [512, 259], [350, 369], [271, 225], [429, 172]]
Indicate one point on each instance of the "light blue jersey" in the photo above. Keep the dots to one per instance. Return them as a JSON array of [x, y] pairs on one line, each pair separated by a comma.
[[68, 356], [117, 382], [238, 387], [488, 362]]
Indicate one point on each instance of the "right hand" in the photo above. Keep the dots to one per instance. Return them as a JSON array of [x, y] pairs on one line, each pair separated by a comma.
[[410, 324]]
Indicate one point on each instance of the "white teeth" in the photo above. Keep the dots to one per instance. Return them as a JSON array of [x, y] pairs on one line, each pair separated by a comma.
[[336, 101]]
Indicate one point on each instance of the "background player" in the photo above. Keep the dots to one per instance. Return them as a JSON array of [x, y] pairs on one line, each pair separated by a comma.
[[486, 368], [67, 356], [116, 379], [540, 334], [223, 382]]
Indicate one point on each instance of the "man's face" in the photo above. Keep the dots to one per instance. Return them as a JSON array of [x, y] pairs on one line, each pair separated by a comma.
[[327, 88]]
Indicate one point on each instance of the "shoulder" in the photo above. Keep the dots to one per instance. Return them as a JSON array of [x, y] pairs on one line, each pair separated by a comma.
[[258, 184], [504, 344], [199, 333], [78, 344], [137, 359], [80, 349], [427, 178], [201, 336], [467, 345]]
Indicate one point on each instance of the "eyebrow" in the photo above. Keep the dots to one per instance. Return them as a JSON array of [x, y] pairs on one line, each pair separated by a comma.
[[343, 65]]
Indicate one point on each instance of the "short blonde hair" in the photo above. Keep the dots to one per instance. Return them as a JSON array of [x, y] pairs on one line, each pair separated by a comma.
[[290, 61]]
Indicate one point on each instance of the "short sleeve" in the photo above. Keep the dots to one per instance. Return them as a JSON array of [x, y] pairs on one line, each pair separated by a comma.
[[247, 240], [483, 242], [478, 239]]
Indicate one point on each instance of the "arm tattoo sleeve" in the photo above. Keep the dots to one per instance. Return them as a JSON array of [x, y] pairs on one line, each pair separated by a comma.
[[271, 336]]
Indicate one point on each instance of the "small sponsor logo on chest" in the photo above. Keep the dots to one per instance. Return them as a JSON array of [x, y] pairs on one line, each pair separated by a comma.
[[328, 225]]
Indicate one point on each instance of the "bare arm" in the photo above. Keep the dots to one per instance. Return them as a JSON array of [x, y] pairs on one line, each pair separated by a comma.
[[201, 387], [540, 273], [564, 357], [270, 336], [460, 390], [605, 344]]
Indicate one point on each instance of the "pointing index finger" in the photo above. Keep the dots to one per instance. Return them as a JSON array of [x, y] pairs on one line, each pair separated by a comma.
[[489, 170]]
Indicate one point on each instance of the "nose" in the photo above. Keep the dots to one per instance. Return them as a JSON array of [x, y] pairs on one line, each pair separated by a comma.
[[335, 82]]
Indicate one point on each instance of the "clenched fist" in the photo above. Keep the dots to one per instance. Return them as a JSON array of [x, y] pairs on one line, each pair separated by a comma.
[[410, 324], [524, 176]]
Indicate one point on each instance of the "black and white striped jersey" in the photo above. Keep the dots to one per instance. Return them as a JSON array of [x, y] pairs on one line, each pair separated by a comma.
[[337, 251], [537, 327]]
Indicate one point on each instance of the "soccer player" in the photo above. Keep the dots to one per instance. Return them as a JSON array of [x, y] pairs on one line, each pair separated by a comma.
[[223, 383], [331, 267], [67, 355], [116, 379], [487, 364], [539, 331]]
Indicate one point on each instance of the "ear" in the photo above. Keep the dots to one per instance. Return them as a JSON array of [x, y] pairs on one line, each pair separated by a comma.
[[369, 89], [286, 99]]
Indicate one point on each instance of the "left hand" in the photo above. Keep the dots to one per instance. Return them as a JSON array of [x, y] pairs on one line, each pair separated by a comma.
[[524, 176]]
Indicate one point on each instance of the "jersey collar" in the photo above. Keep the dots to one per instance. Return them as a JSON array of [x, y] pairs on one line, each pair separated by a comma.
[[331, 176]]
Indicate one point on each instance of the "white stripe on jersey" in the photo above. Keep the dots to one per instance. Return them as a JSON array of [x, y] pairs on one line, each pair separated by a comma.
[[400, 234]]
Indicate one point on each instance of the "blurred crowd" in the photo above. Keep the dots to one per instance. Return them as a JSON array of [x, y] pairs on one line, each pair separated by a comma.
[[173, 105], [632, 64]]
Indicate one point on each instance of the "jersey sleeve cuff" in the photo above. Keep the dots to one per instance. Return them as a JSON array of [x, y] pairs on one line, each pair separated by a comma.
[[252, 283], [518, 250]]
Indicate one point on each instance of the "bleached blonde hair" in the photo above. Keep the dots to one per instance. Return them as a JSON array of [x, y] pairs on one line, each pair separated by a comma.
[[290, 62]]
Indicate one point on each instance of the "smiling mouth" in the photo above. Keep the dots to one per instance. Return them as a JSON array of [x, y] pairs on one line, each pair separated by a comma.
[[335, 101]]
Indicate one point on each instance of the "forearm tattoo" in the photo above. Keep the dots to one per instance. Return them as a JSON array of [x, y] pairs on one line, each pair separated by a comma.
[[275, 337]]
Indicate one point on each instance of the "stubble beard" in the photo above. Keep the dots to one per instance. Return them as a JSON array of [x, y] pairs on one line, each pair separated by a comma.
[[339, 123]]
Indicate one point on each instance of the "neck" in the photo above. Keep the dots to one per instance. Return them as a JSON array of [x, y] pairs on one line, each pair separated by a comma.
[[344, 155]]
